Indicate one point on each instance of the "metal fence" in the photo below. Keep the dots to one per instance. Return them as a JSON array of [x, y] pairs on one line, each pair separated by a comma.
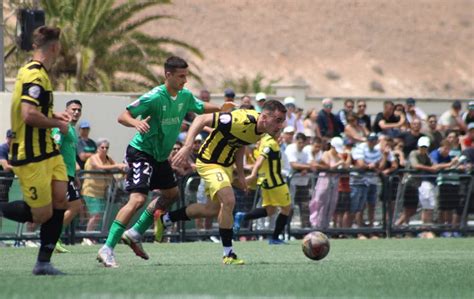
[[404, 202]]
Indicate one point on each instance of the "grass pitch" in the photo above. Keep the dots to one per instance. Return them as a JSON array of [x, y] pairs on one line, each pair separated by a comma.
[[395, 268]]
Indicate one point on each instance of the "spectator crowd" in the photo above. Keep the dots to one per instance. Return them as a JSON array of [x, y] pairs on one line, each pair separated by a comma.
[[334, 161]]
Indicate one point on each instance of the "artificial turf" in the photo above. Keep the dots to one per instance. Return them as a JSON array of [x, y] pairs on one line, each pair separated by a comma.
[[394, 268]]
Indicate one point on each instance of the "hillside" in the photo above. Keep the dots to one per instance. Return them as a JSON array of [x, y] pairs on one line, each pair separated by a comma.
[[407, 47]]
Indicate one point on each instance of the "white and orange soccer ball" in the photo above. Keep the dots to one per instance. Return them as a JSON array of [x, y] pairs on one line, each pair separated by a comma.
[[315, 245]]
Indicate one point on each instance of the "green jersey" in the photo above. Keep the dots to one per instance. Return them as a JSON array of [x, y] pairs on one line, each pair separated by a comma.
[[166, 115], [67, 146]]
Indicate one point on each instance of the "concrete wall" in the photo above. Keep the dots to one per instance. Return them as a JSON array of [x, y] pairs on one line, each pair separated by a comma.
[[99, 109]]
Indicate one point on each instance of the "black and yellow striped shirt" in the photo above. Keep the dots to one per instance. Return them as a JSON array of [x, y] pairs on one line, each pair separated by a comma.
[[232, 131], [31, 144], [269, 175]]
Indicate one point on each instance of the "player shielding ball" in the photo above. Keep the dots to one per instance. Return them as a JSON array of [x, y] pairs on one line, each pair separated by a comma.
[[223, 148]]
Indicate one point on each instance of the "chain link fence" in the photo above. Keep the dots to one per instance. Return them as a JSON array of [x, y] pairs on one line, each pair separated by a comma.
[[340, 203]]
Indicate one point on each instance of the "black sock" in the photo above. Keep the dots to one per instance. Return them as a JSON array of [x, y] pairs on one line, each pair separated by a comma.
[[17, 211], [279, 225], [49, 235], [256, 214], [226, 236], [178, 215]]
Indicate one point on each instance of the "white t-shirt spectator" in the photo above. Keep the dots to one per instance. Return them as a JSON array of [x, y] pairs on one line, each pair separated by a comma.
[[293, 155], [291, 121], [369, 156], [309, 151]]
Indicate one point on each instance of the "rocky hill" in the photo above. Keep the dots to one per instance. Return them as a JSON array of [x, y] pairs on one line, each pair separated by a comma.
[[422, 48]]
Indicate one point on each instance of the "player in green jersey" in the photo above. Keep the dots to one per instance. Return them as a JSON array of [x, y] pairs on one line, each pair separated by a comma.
[[67, 146], [157, 116]]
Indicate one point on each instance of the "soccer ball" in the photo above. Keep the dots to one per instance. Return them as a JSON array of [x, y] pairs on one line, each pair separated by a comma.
[[315, 245]]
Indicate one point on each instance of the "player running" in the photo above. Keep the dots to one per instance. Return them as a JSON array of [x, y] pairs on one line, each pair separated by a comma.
[[274, 190], [161, 113], [223, 148], [34, 156]]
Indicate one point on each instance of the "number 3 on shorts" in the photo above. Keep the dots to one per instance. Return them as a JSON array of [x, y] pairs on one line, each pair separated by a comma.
[[34, 193], [219, 176]]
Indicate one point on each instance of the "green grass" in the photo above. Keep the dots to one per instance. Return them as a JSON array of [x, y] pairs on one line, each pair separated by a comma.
[[395, 268]]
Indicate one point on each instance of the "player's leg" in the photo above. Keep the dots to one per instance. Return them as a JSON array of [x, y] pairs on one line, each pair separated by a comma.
[[51, 229], [280, 223], [256, 213], [160, 203], [74, 205], [139, 176], [105, 254], [162, 178], [226, 198], [193, 211], [278, 197]]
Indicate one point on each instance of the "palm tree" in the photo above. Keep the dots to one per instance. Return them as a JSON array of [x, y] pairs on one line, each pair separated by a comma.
[[103, 47]]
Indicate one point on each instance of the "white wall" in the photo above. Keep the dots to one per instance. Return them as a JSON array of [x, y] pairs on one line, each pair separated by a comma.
[[99, 109]]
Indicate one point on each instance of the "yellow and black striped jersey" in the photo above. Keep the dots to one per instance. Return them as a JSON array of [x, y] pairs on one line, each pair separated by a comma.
[[269, 174], [31, 144], [232, 131]]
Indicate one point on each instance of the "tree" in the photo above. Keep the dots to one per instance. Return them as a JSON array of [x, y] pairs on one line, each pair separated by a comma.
[[103, 47], [247, 85]]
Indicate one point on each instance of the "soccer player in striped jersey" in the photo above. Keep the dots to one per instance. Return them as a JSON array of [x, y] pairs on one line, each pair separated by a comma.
[[274, 190], [223, 148], [35, 157]]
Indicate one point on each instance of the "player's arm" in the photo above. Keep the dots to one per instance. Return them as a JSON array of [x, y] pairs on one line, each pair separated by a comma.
[[6, 166], [32, 117], [128, 120], [196, 127], [226, 107], [239, 165], [258, 164]]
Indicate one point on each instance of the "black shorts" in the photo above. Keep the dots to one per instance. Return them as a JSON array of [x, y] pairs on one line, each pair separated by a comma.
[[449, 197], [343, 202], [410, 197], [6, 181], [146, 174], [72, 190]]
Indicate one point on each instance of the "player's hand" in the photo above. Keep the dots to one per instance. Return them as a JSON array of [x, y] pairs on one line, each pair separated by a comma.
[[228, 106], [242, 183], [250, 179], [63, 127], [181, 157], [142, 126], [63, 116]]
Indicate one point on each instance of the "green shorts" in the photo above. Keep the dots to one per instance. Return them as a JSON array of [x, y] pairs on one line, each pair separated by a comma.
[[95, 205]]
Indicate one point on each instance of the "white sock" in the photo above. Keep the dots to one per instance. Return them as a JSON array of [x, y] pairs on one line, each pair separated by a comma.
[[134, 234], [227, 250]]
